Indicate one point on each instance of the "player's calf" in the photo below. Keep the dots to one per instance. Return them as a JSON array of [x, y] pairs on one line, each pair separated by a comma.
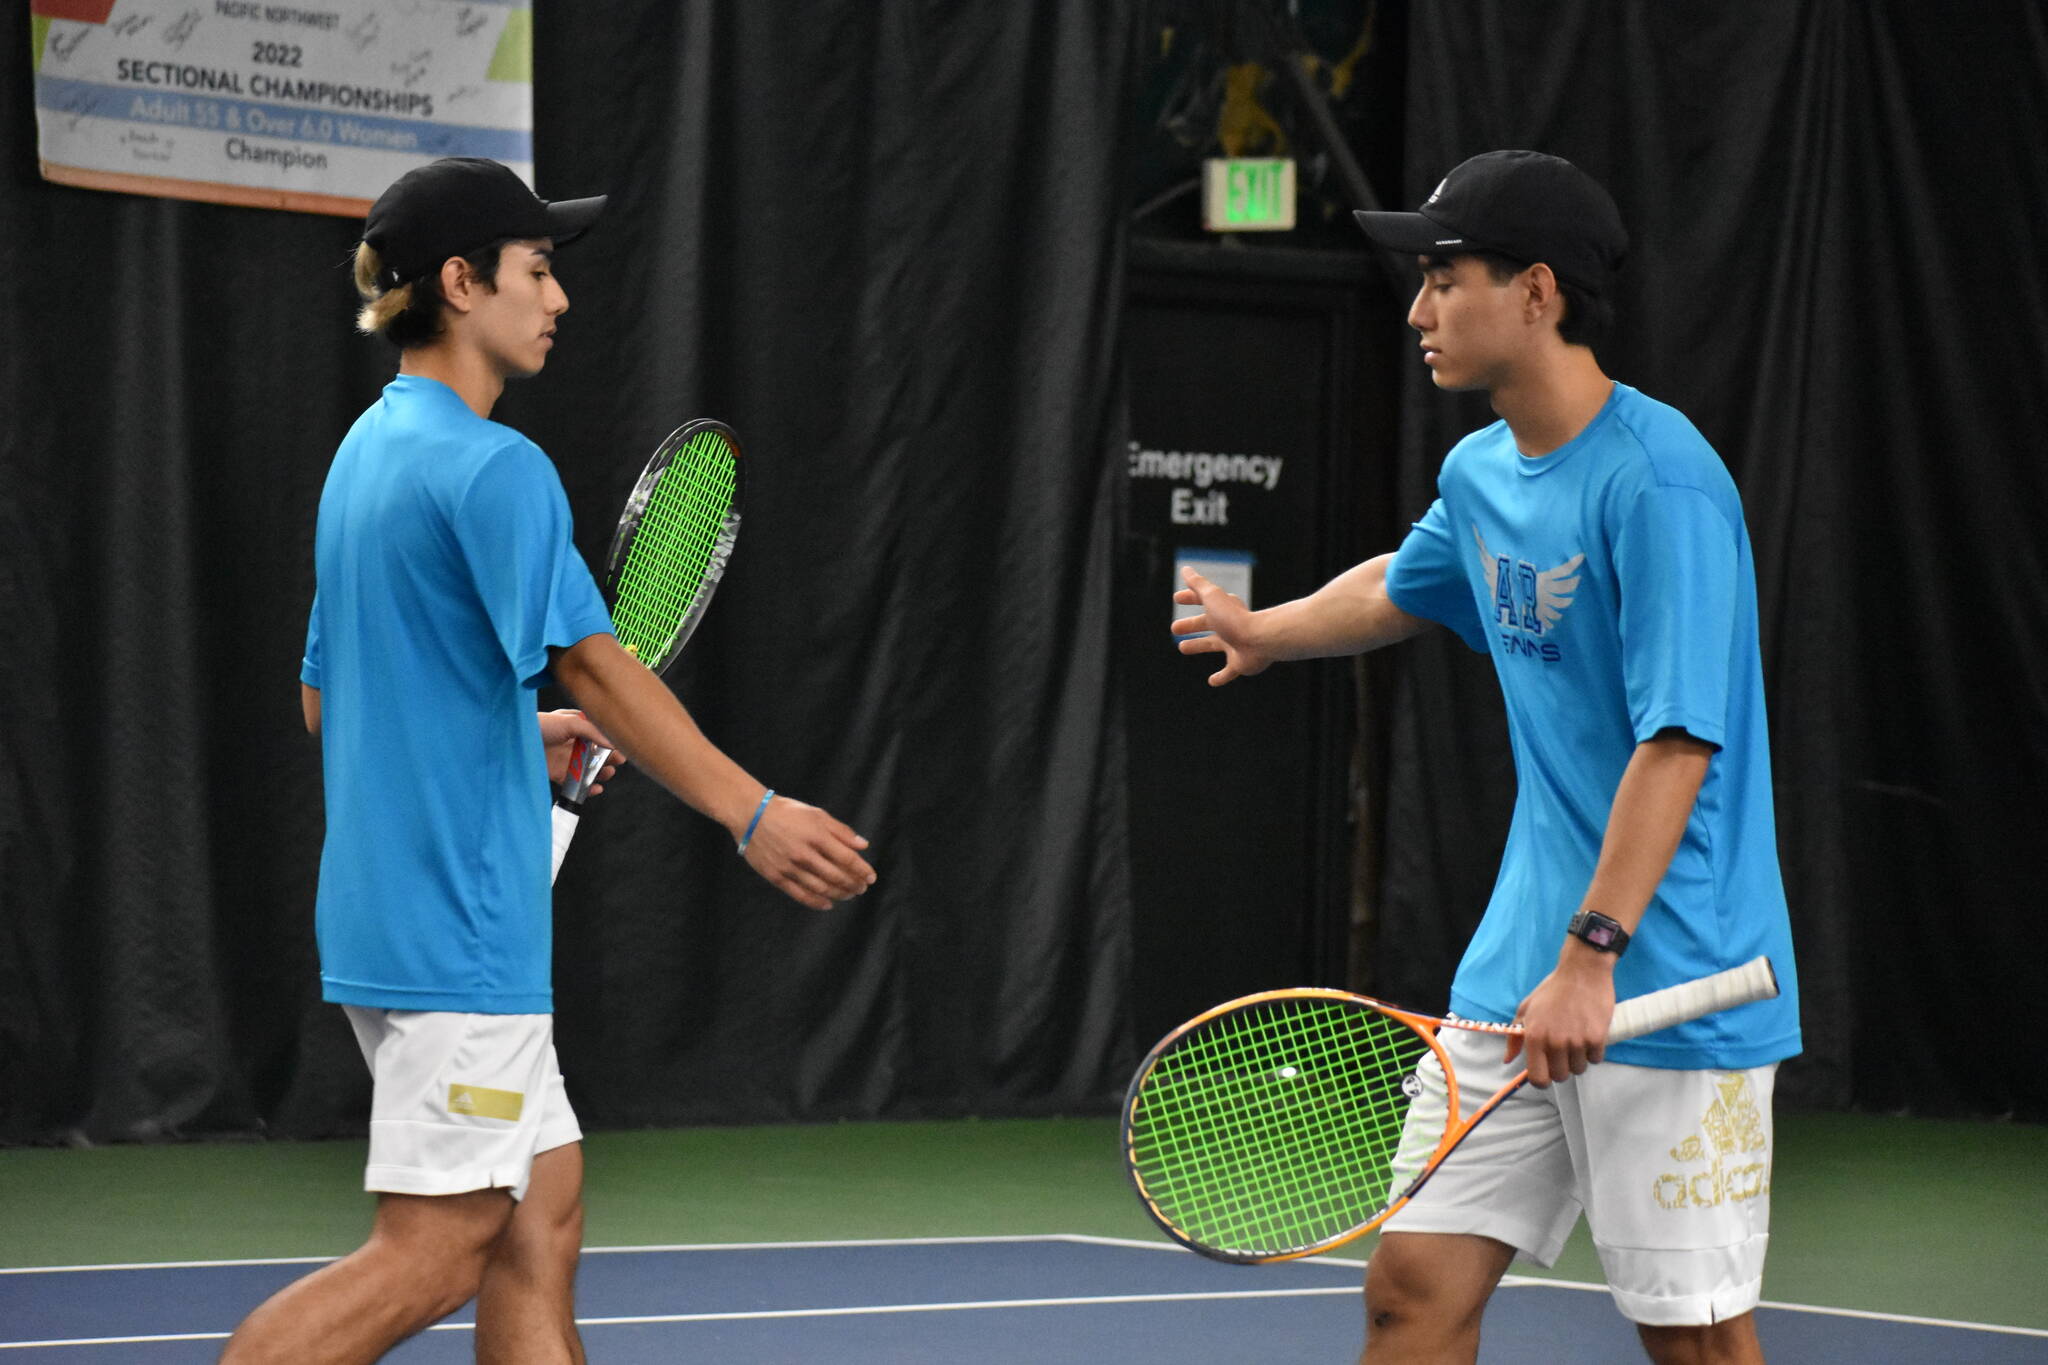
[[1732, 1341], [526, 1307]]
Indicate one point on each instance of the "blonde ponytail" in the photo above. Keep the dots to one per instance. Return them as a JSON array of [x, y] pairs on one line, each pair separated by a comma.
[[409, 315], [381, 307]]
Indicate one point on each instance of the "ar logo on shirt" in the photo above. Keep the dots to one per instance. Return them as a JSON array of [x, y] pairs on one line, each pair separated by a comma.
[[1528, 604]]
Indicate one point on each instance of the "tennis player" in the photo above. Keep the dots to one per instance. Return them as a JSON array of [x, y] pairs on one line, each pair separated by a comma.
[[448, 591], [1593, 544]]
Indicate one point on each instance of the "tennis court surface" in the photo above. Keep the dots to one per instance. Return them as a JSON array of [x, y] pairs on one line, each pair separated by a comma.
[[1008, 1300]]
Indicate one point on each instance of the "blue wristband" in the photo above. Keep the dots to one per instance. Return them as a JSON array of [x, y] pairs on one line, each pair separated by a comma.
[[755, 823]]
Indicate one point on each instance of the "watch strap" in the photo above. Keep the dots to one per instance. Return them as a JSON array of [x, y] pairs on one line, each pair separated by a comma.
[[1598, 931]]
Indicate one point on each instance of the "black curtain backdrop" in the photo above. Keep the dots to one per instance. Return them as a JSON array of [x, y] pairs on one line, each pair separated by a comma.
[[884, 241], [1838, 214]]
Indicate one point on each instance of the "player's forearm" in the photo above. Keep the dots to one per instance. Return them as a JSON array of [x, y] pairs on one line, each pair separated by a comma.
[[637, 712], [309, 707], [1654, 800], [1348, 615]]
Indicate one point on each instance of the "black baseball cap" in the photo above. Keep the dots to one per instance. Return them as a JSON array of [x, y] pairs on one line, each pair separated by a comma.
[[1523, 205], [458, 204]]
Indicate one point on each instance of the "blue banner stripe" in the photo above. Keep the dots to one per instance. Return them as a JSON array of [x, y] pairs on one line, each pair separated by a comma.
[[161, 108]]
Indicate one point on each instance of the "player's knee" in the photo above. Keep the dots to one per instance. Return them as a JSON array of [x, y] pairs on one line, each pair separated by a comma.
[[438, 1248], [427, 1282], [1427, 1289], [1400, 1289], [454, 1284], [451, 1273]]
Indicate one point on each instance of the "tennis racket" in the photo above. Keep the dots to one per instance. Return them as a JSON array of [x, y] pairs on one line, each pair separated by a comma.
[[666, 560], [1267, 1128]]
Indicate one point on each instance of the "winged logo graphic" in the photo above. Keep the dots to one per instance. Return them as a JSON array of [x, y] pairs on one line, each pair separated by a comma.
[[1530, 601]]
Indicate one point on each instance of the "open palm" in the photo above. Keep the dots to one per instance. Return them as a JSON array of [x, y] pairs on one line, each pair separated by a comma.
[[1222, 626]]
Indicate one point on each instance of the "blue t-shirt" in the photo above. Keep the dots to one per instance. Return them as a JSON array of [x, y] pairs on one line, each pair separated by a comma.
[[445, 572], [1611, 582]]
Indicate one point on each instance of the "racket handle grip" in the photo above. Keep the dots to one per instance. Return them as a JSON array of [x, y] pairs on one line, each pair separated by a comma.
[[586, 761], [566, 821], [1752, 981]]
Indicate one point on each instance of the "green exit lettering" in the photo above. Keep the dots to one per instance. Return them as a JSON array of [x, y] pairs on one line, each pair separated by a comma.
[[1247, 195], [1254, 191]]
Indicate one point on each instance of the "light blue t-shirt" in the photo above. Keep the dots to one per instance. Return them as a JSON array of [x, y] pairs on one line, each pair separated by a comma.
[[445, 572], [1611, 582]]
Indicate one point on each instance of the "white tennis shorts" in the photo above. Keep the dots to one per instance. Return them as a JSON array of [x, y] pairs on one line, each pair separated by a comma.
[[1671, 1168], [460, 1102]]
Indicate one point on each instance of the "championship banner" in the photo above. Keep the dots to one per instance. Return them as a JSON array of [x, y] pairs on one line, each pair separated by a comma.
[[315, 105]]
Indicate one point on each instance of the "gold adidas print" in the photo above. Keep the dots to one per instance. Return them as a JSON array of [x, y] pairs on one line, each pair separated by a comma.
[[485, 1102], [1733, 1127]]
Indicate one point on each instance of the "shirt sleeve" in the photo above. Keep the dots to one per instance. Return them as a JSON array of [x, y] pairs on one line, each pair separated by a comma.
[[309, 666], [514, 528], [1429, 578], [1677, 563]]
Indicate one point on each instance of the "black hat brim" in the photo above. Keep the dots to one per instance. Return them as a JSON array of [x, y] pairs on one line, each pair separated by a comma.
[[569, 219], [1414, 234]]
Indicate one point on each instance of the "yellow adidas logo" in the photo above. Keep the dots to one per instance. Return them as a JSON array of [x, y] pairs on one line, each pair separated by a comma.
[[1734, 1126]]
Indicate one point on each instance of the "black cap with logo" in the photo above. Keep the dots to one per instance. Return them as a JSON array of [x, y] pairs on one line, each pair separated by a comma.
[[458, 204], [1523, 205]]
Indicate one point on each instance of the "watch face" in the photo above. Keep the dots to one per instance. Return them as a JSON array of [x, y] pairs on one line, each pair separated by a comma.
[[1599, 931]]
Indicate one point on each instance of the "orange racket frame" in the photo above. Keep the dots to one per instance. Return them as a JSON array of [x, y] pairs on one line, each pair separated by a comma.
[[1752, 981]]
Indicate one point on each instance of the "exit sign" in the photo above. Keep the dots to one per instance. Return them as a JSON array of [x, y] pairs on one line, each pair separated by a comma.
[[1240, 195]]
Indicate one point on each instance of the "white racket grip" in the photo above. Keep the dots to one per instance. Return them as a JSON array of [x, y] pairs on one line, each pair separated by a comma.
[[1752, 981], [566, 821], [586, 761]]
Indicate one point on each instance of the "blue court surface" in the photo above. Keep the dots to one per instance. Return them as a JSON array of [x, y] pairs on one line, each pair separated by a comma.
[[996, 1301]]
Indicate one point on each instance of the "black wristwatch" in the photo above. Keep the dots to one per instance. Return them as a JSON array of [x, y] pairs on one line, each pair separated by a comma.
[[1592, 927]]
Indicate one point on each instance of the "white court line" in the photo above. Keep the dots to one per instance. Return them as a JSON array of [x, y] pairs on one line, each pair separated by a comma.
[[1512, 1281], [601, 1251], [626, 1250], [114, 1341], [865, 1310], [859, 1310], [161, 1265], [1538, 1282]]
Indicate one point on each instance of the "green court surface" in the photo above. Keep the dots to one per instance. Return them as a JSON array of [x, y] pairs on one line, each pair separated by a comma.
[[1900, 1216]]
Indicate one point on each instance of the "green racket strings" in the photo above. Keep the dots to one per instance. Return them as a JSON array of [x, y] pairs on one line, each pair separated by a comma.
[[674, 547], [1272, 1128]]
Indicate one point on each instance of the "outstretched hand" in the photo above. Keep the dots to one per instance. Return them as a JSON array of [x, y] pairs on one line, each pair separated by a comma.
[[559, 731], [807, 855], [1228, 623]]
